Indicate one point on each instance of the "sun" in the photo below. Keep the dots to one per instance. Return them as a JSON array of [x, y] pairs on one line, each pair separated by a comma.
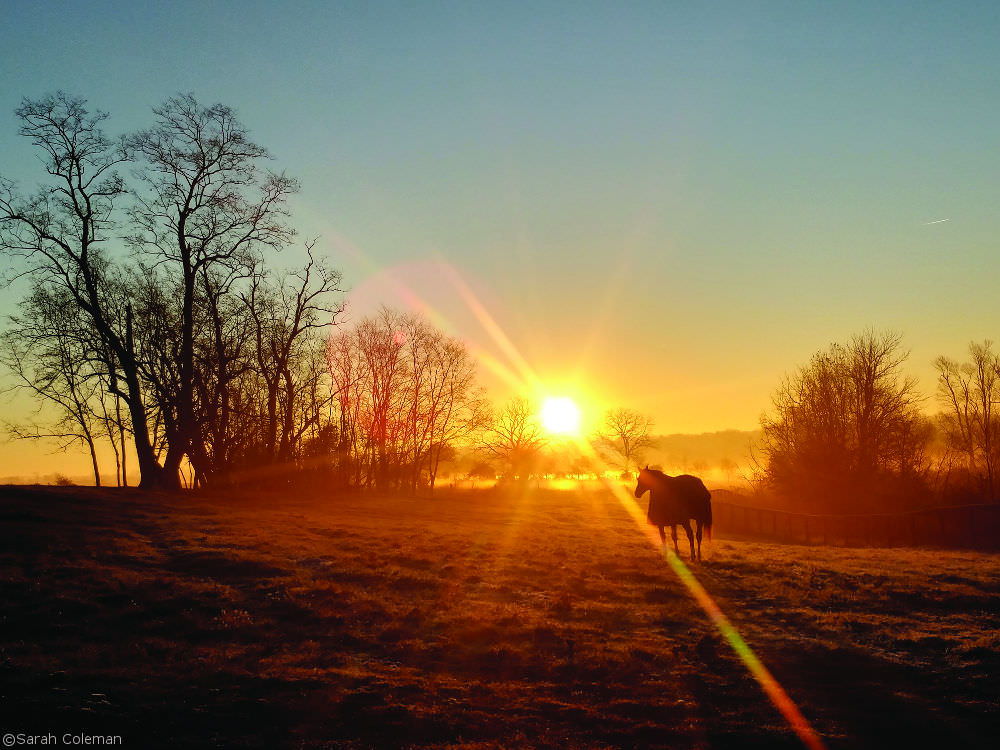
[[560, 416]]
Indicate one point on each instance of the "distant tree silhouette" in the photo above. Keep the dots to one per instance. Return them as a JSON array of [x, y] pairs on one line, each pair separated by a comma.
[[481, 469], [513, 437], [728, 467], [845, 432], [625, 433], [970, 394]]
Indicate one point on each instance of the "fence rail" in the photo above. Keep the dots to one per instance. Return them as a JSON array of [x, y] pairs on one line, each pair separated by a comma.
[[963, 527]]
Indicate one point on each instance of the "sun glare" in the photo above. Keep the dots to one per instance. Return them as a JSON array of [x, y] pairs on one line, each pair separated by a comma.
[[560, 416]]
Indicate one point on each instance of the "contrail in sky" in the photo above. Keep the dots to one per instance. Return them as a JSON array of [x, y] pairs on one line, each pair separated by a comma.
[[936, 221]]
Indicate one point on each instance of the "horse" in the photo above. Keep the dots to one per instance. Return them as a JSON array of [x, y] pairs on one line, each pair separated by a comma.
[[676, 500]]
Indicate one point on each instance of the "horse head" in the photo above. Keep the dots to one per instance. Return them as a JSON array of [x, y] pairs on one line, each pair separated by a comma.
[[645, 482]]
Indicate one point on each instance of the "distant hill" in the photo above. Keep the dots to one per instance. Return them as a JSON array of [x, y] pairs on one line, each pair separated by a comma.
[[721, 457], [711, 447]]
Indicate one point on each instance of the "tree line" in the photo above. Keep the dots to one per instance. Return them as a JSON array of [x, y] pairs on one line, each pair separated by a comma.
[[157, 321], [405, 394], [155, 318], [849, 431]]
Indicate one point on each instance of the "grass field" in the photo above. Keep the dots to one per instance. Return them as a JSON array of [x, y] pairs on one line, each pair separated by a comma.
[[490, 619]]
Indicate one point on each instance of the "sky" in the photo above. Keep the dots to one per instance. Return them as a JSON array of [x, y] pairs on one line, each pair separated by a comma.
[[660, 205]]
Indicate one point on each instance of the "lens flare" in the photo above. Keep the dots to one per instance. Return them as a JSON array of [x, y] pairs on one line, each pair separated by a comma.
[[520, 369], [771, 687]]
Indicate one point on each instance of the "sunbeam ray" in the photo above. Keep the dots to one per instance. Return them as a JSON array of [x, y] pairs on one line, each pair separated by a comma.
[[524, 375], [768, 683]]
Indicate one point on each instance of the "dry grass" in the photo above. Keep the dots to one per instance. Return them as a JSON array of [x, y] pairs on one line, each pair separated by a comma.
[[539, 619]]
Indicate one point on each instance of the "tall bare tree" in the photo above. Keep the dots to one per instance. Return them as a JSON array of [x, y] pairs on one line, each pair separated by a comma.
[[218, 360], [283, 315], [206, 203], [59, 235], [456, 409]]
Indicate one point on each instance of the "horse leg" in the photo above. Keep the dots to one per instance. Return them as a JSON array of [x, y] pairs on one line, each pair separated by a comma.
[[697, 534], [673, 533], [687, 530], [663, 536]]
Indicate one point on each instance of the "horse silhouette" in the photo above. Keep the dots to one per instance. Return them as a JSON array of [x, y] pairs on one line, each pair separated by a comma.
[[675, 501]]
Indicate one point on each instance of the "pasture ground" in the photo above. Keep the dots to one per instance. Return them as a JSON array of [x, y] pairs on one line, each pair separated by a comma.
[[480, 620]]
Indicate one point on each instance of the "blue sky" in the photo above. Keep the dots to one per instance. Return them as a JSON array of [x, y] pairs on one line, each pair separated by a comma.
[[664, 205]]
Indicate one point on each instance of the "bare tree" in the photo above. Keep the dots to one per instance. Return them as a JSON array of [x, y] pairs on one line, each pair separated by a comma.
[[49, 354], [845, 431], [970, 393], [458, 410], [222, 366], [59, 235], [206, 203], [284, 314], [625, 433], [406, 396], [348, 377], [381, 341], [219, 361], [514, 437]]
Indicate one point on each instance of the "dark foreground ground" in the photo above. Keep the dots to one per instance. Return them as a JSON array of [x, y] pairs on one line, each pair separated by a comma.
[[477, 620]]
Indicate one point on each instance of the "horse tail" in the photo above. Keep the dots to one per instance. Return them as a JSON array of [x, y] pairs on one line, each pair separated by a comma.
[[708, 517]]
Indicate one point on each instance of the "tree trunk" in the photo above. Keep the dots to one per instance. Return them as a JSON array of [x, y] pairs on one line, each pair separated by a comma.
[[118, 462], [93, 461], [121, 435]]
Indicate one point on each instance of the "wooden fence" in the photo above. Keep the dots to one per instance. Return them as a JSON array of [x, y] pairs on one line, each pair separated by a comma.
[[961, 527]]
